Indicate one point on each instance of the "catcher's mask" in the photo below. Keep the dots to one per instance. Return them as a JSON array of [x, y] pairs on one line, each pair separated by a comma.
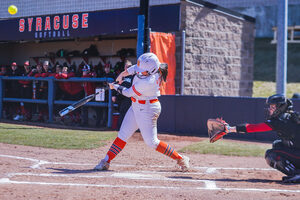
[[277, 104]]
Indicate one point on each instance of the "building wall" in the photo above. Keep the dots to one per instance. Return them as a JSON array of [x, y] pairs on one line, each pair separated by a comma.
[[248, 3], [219, 53], [265, 13]]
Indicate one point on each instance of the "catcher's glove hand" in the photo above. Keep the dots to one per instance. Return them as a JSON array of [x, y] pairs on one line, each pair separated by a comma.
[[217, 128]]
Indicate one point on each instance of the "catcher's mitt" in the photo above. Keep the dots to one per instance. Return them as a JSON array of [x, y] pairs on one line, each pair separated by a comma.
[[217, 128]]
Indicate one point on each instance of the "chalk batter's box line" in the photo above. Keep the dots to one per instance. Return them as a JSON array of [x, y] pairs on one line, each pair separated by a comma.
[[44, 162], [209, 185]]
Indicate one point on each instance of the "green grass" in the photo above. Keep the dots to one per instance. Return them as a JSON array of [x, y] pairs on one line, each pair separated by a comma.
[[266, 89], [265, 68], [228, 148], [53, 138]]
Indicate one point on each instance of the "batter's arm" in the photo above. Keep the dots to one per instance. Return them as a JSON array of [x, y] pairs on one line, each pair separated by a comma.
[[121, 76], [128, 92], [130, 71]]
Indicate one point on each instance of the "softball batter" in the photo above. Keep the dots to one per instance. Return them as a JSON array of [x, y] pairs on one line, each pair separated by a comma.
[[145, 110]]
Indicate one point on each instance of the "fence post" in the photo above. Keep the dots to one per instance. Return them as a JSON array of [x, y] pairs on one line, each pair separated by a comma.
[[50, 98], [1, 96], [109, 120]]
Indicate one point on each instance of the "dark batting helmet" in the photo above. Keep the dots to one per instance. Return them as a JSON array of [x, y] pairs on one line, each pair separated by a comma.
[[282, 104]]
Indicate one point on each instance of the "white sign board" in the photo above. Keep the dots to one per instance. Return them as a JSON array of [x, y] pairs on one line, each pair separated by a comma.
[[101, 95]]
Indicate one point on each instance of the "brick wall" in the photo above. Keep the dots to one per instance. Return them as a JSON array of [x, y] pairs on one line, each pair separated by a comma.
[[219, 53]]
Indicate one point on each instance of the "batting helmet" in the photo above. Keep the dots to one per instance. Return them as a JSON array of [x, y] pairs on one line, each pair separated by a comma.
[[148, 62]]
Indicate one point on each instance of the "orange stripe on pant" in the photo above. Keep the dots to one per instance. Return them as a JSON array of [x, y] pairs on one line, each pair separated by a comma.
[[115, 149], [164, 148]]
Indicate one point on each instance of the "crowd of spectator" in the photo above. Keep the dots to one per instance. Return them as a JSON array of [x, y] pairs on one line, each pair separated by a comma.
[[74, 91]]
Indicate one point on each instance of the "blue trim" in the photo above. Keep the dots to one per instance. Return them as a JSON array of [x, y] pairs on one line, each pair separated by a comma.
[[1, 96], [140, 37], [50, 101], [164, 18]]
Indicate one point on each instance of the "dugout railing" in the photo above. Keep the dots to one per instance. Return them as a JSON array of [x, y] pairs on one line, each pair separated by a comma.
[[51, 94]]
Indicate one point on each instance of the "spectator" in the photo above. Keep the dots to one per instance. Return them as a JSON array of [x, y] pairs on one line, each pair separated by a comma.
[[79, 70], [108, 72], [3, 71], [123, 102], [26, 92], [119, 67], [41, 93], [44, 84], [59, 94], [73, 69], [102, 112], [99, 70], [14, 85], [71, 91], [47, 70], [58, 91], [14, 91], [89, 88]]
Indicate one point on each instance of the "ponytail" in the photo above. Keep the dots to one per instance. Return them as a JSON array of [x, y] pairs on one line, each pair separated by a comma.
[[163, 71]]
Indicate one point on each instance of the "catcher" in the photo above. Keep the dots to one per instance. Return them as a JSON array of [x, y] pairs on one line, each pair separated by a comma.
[[285, 153]]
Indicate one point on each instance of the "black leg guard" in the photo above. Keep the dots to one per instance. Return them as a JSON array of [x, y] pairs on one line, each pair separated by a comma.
[[280, 163], [277, 144]]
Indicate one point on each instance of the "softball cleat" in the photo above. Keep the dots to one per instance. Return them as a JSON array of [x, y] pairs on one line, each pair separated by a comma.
[[184, 163], [103, 165], [291, 179]]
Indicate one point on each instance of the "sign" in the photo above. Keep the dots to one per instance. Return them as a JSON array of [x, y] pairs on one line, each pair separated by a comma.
[[163, 18], [101, 95], [53, 27]]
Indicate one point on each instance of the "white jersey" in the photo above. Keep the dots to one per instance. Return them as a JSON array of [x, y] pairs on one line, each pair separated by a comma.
[[143, 87]]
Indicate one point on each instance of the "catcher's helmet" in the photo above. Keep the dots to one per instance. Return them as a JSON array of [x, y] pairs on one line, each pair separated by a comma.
[[148, 62], [282, 104]]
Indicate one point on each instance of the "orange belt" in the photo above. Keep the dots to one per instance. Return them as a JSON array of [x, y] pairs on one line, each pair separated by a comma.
[[144, 101]]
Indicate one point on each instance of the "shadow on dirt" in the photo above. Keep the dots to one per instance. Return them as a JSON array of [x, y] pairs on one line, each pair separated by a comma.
[[234, 180], [74, 171], [251, 180]]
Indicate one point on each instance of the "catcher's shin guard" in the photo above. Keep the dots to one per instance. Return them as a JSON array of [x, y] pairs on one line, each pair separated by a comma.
[[280, 163]]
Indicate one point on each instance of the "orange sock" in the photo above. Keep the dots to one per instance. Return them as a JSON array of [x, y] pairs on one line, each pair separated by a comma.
[[115, 149], [167, 150]]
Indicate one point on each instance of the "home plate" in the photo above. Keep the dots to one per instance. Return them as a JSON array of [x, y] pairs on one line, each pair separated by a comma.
[[131, 175]]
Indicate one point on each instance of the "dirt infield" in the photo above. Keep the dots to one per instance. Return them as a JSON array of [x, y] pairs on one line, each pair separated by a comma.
[[137, 173]]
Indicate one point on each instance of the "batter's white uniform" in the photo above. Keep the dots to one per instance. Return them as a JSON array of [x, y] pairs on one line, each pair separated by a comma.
[[145, 108]]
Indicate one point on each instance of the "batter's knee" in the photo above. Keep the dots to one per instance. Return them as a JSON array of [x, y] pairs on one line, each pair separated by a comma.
[[153, 143]]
